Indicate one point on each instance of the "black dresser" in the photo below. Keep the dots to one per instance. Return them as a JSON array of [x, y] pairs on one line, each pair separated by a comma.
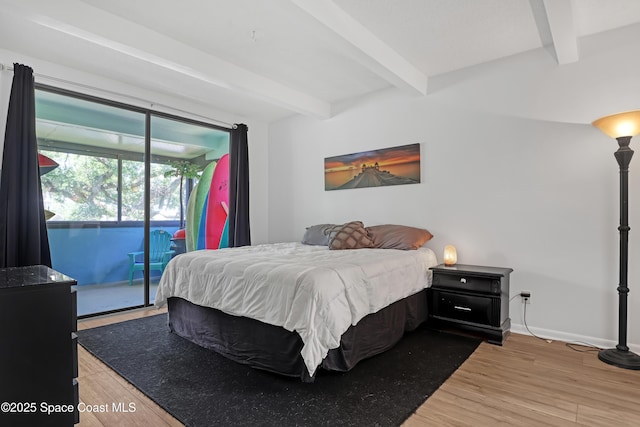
[[38, 348]]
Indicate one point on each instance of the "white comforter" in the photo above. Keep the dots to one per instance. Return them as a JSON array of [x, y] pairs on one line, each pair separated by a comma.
[[312, 290]]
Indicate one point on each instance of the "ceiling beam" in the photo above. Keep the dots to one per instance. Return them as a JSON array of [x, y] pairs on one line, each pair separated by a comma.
[[559, 16], [369, 50], [96, 26]]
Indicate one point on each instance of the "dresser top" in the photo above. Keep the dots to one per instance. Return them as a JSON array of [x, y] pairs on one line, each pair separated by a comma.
[[32, 275]]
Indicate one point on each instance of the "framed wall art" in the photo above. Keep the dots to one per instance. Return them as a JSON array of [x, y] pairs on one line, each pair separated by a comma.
[[387, 166]]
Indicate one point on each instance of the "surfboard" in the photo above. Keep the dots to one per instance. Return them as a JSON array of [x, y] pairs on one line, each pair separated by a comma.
[[224, 240], [190, 235], [46, 164], [217, 203], [202, 230], [195, 206]]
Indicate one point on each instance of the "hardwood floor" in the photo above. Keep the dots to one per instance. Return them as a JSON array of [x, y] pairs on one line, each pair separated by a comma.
[[101, 387], [526, 382], [529, 382]]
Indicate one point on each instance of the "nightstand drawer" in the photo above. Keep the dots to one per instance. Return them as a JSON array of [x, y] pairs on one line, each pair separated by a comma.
[[467, 308], [468, 283]]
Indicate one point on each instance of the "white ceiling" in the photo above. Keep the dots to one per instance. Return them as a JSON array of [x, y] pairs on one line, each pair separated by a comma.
[[268, 59]]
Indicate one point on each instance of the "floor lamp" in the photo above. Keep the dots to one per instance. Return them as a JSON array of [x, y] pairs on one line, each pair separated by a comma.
[[623, 127]]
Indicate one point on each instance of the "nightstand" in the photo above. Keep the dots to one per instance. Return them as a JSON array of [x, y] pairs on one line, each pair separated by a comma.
[[471, 298]]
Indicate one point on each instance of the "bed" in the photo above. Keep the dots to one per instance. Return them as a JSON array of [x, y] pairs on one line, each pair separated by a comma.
[[293, 308]]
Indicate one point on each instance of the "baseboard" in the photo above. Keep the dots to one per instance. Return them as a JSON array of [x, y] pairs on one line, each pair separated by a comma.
[[566, 337]]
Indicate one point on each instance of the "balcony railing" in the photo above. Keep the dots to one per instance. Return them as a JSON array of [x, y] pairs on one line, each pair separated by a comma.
[[96, 256]]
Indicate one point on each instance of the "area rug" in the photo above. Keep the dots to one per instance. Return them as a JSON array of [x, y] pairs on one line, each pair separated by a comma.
[[201, 388]]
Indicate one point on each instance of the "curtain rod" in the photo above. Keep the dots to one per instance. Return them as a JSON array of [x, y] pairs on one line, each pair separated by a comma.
[[110, 92]]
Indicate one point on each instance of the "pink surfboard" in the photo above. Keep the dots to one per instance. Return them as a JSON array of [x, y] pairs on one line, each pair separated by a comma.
[[217, 204]]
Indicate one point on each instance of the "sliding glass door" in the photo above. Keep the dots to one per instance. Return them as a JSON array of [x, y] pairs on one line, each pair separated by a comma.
[[115, 196]]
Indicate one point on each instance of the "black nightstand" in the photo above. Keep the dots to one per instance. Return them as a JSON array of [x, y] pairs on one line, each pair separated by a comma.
[[472, 298]]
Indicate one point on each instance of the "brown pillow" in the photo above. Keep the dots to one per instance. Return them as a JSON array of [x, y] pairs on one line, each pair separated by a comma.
[[351, 235], [391, 236]]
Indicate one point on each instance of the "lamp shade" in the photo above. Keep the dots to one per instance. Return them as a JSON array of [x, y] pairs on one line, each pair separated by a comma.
[[621, 124], [450, 255]]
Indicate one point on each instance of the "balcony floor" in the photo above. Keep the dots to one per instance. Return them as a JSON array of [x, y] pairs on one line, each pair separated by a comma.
[[113, 296]]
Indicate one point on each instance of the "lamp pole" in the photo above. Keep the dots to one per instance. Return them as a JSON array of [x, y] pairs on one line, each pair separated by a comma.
[[621, 356]]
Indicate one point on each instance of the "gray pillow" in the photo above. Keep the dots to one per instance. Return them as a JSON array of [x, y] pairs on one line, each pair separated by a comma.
[[390, 236], [317, 235]]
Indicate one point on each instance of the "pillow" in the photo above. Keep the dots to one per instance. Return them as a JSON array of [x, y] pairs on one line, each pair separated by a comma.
[[391, 236], [351, 235], [317, 235]]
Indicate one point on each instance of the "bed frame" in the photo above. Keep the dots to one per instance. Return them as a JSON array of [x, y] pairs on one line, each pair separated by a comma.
[[275, 349]]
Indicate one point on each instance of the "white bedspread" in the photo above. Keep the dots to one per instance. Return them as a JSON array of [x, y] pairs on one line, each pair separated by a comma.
[[312, 290]]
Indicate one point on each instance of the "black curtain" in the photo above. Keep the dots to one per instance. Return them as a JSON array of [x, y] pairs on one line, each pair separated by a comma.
[[23, 231], [239, 231]]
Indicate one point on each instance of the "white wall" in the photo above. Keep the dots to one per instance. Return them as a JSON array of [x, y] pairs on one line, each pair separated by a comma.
[[58, 75], [505, 179], [5, 91]]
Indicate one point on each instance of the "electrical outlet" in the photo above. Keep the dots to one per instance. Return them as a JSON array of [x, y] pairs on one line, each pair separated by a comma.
[[526, 297]]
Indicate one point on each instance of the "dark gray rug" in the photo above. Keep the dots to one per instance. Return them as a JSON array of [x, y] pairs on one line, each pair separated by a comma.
[[201, 388]]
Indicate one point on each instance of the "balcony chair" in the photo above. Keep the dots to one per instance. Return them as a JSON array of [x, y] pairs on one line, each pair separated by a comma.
[[159, 254]]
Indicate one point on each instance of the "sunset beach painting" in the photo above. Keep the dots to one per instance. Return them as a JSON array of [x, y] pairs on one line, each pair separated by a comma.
[[388, 166]]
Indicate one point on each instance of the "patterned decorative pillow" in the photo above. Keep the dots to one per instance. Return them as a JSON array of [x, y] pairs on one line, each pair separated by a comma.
[[390, 236], [351, 235]]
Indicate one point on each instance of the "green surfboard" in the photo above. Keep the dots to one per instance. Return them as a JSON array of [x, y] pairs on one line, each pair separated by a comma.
[[195, 206]]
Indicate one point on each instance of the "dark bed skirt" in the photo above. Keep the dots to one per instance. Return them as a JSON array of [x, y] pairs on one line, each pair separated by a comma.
[[275, 349]]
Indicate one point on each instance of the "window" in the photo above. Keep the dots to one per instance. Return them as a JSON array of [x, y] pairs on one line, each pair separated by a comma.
[[165, 201], [81, 188], [132, 190], [86, 188], [100, 152]]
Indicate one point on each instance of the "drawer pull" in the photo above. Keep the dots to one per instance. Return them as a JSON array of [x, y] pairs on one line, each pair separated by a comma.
[[458, 307], [463, 280]]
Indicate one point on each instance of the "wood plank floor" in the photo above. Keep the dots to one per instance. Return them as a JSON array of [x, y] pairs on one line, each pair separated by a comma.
[[526, 382], [100, 386]]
